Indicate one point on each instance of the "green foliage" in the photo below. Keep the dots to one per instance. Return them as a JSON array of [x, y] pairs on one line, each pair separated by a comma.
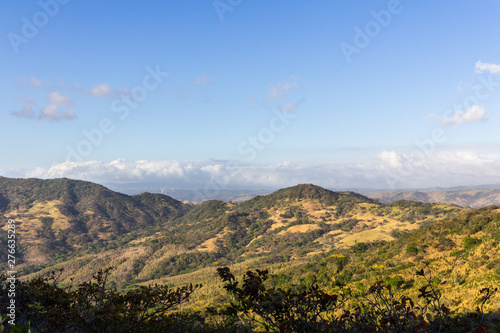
[[469, 242], [396, 282], [397, 233], [280, 310], [346, 225], [343, 200], [154, 236], [457, 252], [360, 247], [445, 243], [122, 213], [26, 328], [93, 307], [376, 309], [412, 249]]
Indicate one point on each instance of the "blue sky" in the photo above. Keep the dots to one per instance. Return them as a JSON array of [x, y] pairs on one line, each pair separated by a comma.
[[382, 94]]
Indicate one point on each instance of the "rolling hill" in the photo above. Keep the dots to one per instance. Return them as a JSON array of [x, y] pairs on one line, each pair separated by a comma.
[[84, 226], [303, 234], [60, 215]]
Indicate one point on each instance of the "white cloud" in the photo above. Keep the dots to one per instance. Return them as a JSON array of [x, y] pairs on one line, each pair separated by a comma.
[[58, 108], [100, 90], [50, 112], [57, 100], [492, 68], [474, 114], [444, 169], [27, 109], [390, 170], [390, 158], [25, 112]]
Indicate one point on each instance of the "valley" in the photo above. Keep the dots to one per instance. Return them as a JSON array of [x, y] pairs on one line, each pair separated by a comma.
[[303, 235]]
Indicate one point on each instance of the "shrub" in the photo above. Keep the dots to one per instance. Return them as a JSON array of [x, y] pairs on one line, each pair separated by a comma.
[[377, 309], [92, 306], [412, 249], [469, 242]]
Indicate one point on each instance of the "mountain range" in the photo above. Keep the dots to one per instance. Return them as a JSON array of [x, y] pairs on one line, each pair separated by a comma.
[[299, 233], [475, 196]]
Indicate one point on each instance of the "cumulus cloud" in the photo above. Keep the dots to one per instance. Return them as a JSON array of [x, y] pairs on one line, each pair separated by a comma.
[[474, 114], [488, 67], [56, 101], [204, 174], [25, 112], [101, 90], [58, 107], [390, 169], [50, 113], [444, 169], [390, 158]]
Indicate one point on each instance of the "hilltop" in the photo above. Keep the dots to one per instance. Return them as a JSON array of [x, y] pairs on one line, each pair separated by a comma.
[[83, 227], [55, 217], [303, 234]]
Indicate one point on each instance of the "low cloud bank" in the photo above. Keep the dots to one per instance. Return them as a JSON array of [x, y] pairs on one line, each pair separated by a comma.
[[390, 170]]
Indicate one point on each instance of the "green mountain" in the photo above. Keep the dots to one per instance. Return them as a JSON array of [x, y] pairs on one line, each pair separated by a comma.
[[58, 216], [304, 234], [61, 218]]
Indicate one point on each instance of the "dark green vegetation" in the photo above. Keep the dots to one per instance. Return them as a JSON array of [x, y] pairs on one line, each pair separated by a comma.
[[75, 224], [93, 306], [304, 235]]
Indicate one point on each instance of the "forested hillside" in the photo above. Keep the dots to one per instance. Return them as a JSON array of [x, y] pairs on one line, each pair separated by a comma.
[[303, 235]]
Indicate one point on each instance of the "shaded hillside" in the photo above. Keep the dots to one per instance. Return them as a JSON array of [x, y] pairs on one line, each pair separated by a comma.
[[287, 226], [476, 198], [58, 216], [76, 198]]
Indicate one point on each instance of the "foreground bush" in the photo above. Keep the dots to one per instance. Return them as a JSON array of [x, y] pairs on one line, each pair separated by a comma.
[[377, 309], [93, 307]]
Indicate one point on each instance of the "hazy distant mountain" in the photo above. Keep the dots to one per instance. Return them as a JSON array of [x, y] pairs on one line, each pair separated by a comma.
[[195, 193], [475, 196], [461, 196]]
